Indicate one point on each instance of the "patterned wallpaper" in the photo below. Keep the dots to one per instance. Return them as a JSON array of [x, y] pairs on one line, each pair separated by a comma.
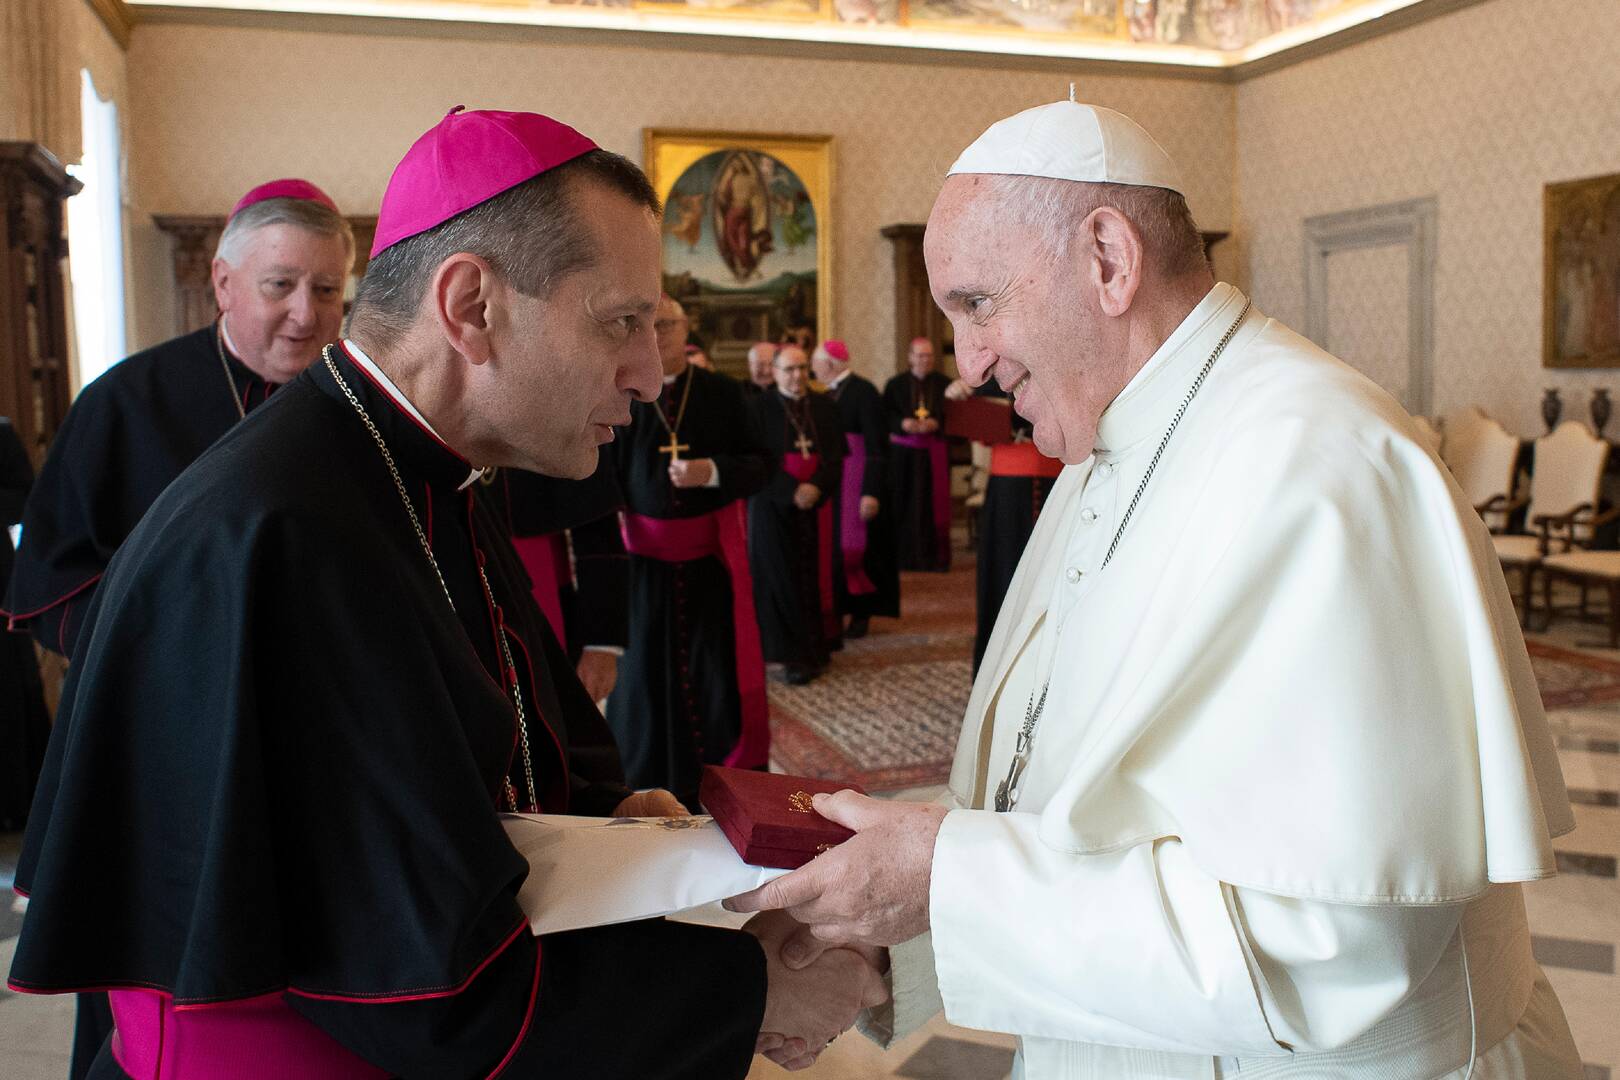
[[1480, 108], [341, 108], [1367, 315]]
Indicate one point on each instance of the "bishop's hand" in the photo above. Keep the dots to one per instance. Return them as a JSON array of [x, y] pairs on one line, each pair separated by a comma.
[[870, 890], [869, 507], [805, 496], [598, 671], [654, 803], [808, 1004], [959, 390], [692, 473]]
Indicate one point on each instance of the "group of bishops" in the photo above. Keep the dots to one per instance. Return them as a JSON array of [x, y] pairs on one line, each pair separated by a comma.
[[730, 526], [310, 660]]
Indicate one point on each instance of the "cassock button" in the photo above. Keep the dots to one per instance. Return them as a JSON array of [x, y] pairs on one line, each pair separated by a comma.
[[1105, 470], [1088, 515], [1072, 575]]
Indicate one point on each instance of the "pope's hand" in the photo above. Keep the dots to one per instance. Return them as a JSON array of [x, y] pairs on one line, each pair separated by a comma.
[[805, 496], [654, 803], [598, 670], [959, 390], [869, 507], [870, 890], [690, 473], [809, 1004]]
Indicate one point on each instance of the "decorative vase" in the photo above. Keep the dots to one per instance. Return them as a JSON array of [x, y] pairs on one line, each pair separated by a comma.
[[1601, 407], [1551, 408]]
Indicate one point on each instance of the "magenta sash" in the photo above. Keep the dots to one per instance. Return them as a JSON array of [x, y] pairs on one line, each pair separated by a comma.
[[546, 560], [852, 530], [723, 535], [940, 466], [802, 467], [256, 1039]]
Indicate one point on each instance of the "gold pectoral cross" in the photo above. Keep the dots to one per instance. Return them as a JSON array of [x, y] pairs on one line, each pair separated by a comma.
[[921, 413], [804, 444], [674, 448]]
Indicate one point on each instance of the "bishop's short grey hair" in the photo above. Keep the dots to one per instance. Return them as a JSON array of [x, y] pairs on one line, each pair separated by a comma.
[[532, 234], [1053, 208], [304, 213]]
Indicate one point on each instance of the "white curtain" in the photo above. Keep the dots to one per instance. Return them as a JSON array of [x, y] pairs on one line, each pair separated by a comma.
[[96, 238]]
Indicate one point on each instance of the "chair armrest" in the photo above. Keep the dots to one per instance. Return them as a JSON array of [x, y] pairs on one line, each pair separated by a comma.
[[1502, 504], [1566, 520]]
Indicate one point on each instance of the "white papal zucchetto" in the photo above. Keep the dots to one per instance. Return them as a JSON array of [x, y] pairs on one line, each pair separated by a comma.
[[1070, 141]]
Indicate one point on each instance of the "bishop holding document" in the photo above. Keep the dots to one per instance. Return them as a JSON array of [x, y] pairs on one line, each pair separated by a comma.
[[1255, 763]]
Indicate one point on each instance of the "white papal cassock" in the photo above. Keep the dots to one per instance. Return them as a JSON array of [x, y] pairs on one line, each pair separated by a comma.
[[1292, 764]]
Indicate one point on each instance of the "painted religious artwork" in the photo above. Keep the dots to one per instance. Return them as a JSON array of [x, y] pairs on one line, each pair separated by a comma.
[[1222, 25], [747, 235], [790, 9], [867, 12], [1096, 18], [1581, 309]]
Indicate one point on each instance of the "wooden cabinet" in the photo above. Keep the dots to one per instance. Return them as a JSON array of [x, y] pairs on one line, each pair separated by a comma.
[[34, 374], [915, 313]]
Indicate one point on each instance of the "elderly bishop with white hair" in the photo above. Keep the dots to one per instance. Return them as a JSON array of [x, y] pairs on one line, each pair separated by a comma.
[[278, 278], [1255, 764]]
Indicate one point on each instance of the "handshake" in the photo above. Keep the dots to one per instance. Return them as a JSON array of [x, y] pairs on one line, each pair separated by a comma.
[[814, 992]]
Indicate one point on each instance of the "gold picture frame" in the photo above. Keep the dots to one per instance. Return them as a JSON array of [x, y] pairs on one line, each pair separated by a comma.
[[763, 258], [1581, 276]]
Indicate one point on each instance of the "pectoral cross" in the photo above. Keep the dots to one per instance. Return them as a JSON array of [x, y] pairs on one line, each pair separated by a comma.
[[921, 413], [674, 448], [804, 444]]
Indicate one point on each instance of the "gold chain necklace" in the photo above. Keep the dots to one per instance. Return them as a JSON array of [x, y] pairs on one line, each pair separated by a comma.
[[427, 549], [804, 443], [1007, 790], [680, 412], [225, 366]]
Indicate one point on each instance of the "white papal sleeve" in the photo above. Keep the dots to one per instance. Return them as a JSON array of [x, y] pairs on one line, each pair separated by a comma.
[[1140, 948]]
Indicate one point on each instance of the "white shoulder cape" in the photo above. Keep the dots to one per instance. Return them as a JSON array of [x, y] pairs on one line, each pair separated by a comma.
[[1303, 661]]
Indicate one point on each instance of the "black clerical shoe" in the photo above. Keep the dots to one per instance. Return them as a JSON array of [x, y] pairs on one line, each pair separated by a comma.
[[858, 626], [796, 675]]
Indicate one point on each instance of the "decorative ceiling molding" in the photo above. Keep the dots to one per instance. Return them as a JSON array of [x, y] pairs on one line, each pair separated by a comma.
[[668, 25], [116, 16]]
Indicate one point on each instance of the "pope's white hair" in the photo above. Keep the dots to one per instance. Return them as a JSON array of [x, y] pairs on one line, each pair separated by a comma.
[[1053, 209], [304, 213]]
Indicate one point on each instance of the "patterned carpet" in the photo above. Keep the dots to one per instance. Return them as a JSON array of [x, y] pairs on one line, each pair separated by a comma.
[[886, 714], [1570, 677]]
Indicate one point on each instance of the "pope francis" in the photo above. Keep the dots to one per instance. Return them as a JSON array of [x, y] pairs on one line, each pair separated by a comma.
[[1255, 762]]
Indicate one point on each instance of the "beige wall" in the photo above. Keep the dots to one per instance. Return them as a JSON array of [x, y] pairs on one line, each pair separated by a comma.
[[224, 108], [1479, 108]]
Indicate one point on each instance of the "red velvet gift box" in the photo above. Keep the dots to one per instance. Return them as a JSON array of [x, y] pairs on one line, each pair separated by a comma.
[[768, 817]]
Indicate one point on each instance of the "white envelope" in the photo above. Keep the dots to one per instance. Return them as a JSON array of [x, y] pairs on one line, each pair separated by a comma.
[[586, 871]]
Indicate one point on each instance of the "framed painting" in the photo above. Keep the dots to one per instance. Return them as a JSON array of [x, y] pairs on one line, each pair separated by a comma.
[[1581, 286], [748, 228]]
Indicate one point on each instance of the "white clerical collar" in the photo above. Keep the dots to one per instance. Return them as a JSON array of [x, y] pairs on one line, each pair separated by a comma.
[[1146, 404], [382, 380], [789, 396], [841, 377], [225, 332]]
